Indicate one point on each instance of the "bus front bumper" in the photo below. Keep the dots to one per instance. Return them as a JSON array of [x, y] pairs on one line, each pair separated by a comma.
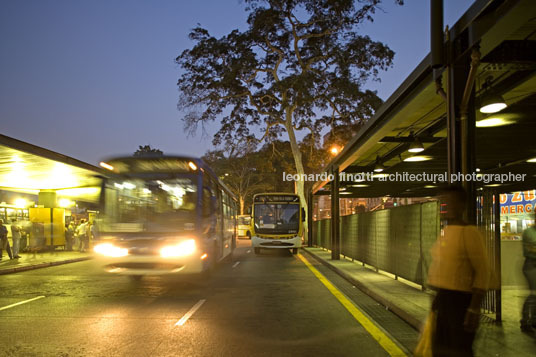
[[150, 265], [242, 233], [276, 243]]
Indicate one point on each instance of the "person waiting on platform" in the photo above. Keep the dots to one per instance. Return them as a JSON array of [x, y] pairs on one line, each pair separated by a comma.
[[15, 236], [81, 233], [4, 243], [69, 235], [528, 320], [461, 275]]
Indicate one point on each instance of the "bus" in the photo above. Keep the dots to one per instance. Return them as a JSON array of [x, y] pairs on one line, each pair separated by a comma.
[[244, 226], [163, 215], [277, 222]]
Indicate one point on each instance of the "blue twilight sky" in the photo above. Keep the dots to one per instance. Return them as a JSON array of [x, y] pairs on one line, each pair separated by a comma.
[[93, 79]]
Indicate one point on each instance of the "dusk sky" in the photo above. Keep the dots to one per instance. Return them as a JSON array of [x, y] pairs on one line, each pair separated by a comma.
[[94, 79]]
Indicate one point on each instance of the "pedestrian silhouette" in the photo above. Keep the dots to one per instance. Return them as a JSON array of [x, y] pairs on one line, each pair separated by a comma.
[[528, 319], [460, 273]]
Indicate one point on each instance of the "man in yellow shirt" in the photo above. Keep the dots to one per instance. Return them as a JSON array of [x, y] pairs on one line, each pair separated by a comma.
[[460, 273]]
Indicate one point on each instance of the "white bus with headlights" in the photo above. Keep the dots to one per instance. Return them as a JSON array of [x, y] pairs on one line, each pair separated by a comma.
[[163, 215], [277, 222]]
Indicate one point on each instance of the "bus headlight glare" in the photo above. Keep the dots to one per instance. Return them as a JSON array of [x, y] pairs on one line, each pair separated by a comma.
[[110, 250], [182, 249]]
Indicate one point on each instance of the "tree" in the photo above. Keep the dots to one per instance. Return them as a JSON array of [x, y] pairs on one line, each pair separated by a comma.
[[147, 150], [239, 173], [275, 159], [298, 58]]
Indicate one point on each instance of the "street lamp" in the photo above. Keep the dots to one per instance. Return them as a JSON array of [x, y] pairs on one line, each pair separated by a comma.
[[335, 150]]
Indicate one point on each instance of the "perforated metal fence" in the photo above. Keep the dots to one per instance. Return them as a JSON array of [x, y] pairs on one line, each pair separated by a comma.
[[398, 240], [395, 240]]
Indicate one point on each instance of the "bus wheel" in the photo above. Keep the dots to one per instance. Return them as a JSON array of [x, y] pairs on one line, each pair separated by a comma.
[[294, 250], [257, 250], [249, 235]]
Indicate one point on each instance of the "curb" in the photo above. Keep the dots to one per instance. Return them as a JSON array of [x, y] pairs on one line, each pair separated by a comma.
[[41, 265], [397, 310]]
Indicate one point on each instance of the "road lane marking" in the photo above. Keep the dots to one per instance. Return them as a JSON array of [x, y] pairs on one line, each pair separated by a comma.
[[236, 264], [189, 314], [20, 303], [376, 333]]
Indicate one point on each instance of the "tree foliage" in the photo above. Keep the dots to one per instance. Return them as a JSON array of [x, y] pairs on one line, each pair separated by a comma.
[[244, 175], [300, 65], [147, 150], [284, 61]]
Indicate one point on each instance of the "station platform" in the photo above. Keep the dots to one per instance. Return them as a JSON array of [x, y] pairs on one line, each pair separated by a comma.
[[31, 260], [412, 304]]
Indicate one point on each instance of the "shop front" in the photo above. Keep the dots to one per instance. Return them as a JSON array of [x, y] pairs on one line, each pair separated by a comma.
[[517, 214]]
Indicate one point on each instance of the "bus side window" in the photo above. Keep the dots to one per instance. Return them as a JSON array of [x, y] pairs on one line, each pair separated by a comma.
[[207, 202]]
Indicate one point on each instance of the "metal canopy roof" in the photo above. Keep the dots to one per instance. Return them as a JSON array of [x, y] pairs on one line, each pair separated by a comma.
[[506, 34], [28, 168]]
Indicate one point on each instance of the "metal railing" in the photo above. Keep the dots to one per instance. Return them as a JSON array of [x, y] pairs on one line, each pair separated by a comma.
[[395, 240]]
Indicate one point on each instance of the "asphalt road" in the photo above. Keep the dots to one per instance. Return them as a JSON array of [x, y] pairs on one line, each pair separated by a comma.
[[266, 305]]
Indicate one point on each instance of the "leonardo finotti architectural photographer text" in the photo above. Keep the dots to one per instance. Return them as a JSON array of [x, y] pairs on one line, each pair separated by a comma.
[[409, 177]]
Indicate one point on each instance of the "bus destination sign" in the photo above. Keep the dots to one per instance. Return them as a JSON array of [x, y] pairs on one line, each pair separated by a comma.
[[138, 165], [276, 198]]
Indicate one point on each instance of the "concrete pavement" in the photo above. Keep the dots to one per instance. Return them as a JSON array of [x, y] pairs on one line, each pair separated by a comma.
[[256, 305], [29, 261], [404, 299], [412, 304]]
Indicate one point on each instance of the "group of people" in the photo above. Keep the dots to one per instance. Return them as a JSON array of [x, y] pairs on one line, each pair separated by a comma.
[[77, 236], [16, 231]]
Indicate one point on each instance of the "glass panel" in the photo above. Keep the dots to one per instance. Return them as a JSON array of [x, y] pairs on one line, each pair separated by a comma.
[[150, 205], [244, 221], [277, 218]]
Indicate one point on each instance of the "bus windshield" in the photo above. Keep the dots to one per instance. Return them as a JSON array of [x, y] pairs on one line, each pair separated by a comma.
[[166, 205], [244, 220], [273, 218]]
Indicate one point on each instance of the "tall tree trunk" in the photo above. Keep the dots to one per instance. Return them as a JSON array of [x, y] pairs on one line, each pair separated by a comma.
[[296, 153], [241, 200]]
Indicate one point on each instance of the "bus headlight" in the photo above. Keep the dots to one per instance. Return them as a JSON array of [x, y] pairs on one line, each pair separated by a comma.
[[181, 249], [110, 250]]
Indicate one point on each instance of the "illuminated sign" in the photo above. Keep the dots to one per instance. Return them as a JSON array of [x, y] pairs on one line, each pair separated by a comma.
[[518, 202], [276, 198], [137, 165]]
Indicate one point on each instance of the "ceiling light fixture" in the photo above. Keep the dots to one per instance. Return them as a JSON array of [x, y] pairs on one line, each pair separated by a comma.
[[492, 104], [416, 146], [417, 158], [379, 167], [492, 122]]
